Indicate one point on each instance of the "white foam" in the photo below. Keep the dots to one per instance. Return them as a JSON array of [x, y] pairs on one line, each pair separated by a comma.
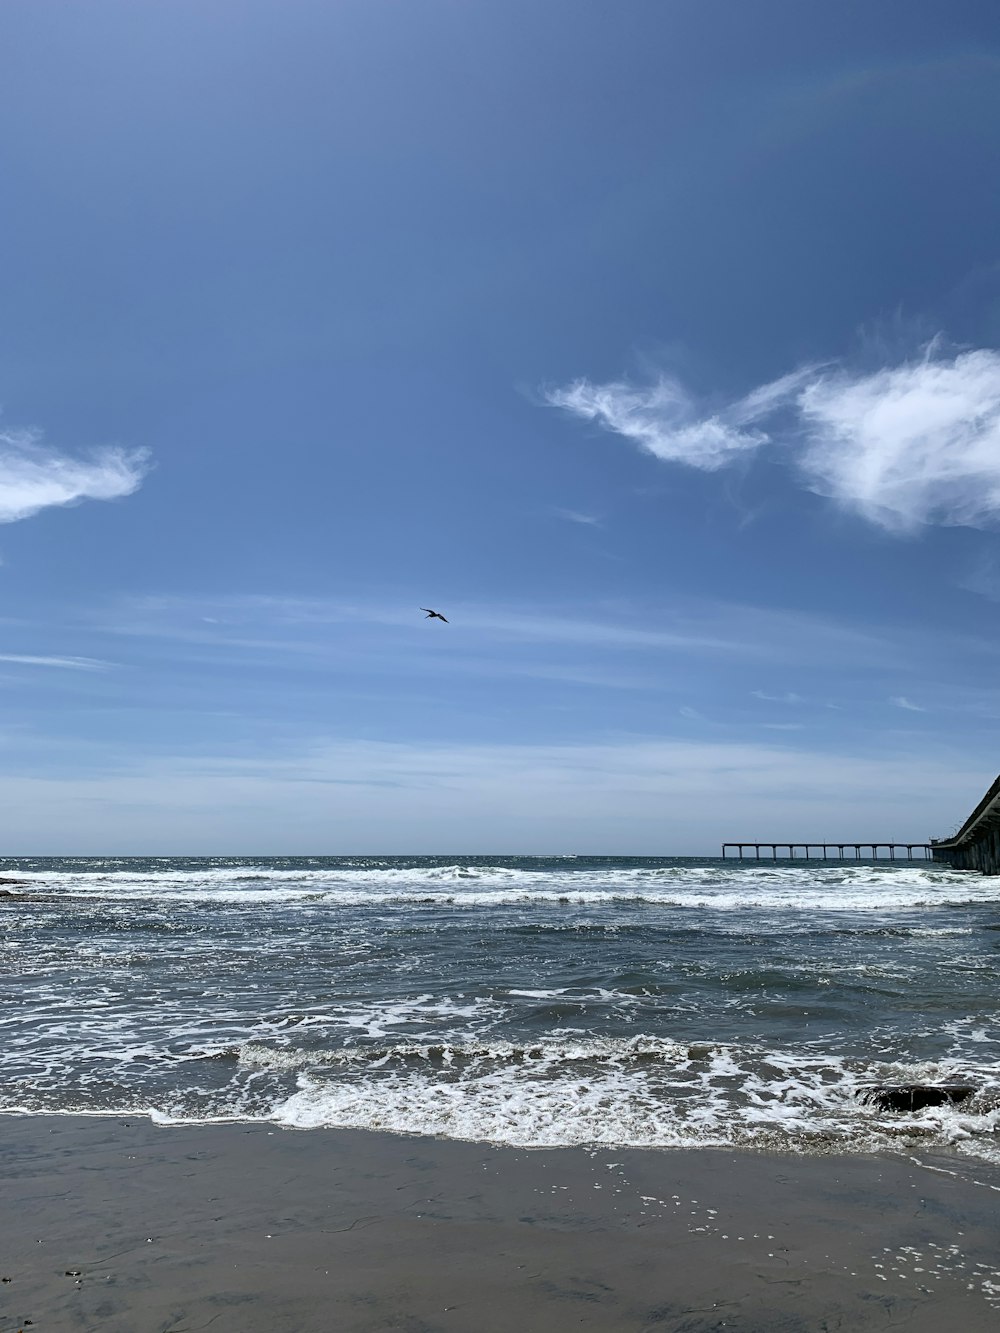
[[641, 1092], [832, 888], [361, 1054]]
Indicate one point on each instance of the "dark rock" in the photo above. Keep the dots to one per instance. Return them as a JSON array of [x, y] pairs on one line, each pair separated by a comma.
[[8, 879], [914, 1096]]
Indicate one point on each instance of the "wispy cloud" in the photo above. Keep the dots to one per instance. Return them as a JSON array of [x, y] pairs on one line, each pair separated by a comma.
[[34, 476], [664, 419], [983, 579], [900, 701], [575, 516], [788, 698], [71, 663], [907, 444], [647, 794], [698, 628]]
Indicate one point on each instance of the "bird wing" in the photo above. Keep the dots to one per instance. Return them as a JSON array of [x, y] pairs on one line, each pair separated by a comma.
[[444, 618]]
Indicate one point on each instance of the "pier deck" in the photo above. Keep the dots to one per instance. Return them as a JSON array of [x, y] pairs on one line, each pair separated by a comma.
[[820, 851], [976, 845]]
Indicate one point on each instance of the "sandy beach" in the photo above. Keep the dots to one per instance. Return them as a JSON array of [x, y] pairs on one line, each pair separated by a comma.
[[123, 1226]]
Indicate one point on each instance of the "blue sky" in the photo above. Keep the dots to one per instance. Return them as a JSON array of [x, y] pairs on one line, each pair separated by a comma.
[[655, 344]]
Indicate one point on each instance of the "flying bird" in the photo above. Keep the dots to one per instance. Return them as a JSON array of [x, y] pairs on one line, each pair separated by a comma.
[[434, 615]]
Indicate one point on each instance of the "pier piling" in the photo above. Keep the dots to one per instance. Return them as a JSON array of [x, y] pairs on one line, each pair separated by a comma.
[[976, 845], [926, 850]]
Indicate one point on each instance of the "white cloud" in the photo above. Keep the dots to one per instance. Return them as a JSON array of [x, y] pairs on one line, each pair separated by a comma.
[[650, 795], [34, 477], [73, 663], [253, 622], [662, 419], [899, 701], [575, 516], [910, 444], [788, 698], [901, 446]]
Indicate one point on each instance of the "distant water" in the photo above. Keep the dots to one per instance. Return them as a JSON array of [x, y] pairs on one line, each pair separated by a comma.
[[524, 1000]]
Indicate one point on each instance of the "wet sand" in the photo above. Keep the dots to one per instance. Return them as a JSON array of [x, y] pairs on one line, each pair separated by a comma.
[[120, 1226]]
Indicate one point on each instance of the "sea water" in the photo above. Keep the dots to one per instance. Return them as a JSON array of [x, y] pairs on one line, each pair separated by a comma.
[[519, 1000]]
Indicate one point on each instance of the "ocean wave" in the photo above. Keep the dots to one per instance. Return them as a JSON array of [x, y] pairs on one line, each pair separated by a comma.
[[719, 887], [641, 1092], [541, 1002], [561, 1090]]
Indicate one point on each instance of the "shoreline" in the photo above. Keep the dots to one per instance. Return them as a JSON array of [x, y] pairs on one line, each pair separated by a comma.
[[123, 1225]]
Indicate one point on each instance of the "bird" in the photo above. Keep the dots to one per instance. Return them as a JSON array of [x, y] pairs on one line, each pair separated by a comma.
[[435, 615]]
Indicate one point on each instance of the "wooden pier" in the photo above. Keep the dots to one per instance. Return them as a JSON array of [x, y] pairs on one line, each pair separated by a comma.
[[976, 845], [821, 851]]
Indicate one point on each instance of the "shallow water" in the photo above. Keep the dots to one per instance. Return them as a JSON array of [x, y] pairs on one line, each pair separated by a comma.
[[529, 1000]]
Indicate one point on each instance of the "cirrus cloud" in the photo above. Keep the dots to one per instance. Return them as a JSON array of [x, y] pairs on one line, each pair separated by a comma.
[[71, 663], [662, 419], [909, 444], [901, 446], [900, 701], [34, 476]]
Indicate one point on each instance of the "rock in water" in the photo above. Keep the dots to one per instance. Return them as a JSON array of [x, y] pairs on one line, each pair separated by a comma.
[[914, 1096]]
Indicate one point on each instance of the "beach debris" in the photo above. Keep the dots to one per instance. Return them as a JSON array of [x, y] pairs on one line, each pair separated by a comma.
[[74, 1272], [914, 1096]]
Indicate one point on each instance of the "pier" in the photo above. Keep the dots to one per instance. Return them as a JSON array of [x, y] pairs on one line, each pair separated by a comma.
[[976, 845], [821, 851]]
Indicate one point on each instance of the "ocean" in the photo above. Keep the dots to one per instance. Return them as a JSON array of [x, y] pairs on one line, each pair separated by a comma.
[[534, 1001]]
